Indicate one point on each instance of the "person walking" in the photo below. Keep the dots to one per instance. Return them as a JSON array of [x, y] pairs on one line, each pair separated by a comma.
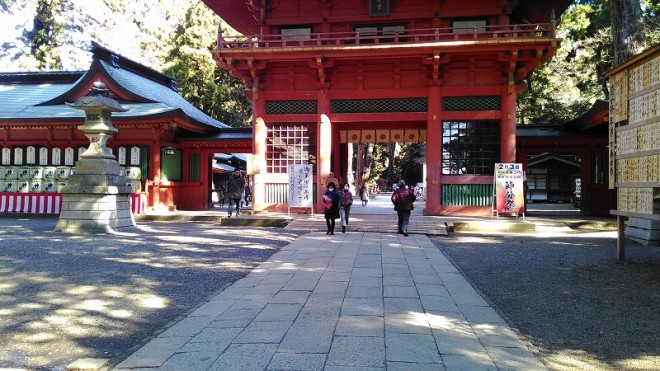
[[403, 199], [345, 206], [247, 195], [222, 195], [235, 186], [364, 195], [331, 209]]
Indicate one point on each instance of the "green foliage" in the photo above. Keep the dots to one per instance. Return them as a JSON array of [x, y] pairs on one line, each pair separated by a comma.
[[651, 21], [569, 83], [160, 34], [410, 162], [42, 41], [199, 80], [391, 162]]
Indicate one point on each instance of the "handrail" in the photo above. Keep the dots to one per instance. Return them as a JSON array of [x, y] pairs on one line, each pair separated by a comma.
[[411, 36]]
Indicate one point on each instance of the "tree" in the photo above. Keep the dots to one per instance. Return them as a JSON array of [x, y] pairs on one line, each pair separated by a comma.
[[627, 29], [160, 34], [44, 38], [567, 85], [199, 79], [410, 162]]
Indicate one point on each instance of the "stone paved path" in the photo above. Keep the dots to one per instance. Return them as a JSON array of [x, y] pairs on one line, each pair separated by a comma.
[[359, 300]]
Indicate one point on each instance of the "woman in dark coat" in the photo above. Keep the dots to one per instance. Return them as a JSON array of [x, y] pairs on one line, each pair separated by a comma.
[[331, 209], [403, 199]]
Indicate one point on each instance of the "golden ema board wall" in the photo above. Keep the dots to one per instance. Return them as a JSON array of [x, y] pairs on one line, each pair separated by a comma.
[[634, 134]]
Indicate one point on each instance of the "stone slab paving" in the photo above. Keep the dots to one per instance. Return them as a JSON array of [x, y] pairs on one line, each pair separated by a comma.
[[359, 300], [377, 223]]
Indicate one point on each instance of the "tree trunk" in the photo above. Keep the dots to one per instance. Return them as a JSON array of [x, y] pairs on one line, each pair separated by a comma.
[[390, 165], [368, 152], [627, 29], [360, 165]]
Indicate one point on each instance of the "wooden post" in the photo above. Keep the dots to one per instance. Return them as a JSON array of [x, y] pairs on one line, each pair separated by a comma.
[[620, 237]]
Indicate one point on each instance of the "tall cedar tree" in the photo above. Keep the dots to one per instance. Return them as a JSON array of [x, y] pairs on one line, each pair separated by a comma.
[[199, 80]]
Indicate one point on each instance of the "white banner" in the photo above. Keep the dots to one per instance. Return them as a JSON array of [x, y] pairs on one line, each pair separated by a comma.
[[300, 185], [509, 191]]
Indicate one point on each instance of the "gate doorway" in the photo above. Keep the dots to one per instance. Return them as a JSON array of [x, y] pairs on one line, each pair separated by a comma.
[[381, 158]]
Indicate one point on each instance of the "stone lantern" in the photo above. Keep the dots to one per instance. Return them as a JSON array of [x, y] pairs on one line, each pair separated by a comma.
[[98, 126], [96, 198]]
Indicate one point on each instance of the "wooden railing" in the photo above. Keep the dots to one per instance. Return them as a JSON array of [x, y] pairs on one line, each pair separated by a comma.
[[412, 36], [51, 203], [467, 194], [278, 193]]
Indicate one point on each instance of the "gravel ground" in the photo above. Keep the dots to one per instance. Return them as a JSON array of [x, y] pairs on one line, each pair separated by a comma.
[[566, 293], [65, 297]]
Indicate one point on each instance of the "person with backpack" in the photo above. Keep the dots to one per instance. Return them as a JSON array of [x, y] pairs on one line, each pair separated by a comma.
[[235, 186], [403, 199]]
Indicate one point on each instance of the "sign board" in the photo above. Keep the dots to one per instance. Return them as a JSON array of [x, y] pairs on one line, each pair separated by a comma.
[[509, 189], [300, 185]]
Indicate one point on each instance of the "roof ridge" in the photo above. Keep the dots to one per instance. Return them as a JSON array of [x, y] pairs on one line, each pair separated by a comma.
[[40, 76], [117, 60]]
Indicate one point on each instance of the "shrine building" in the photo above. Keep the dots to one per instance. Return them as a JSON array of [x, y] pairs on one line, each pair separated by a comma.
[[165, 146], [323, 74]]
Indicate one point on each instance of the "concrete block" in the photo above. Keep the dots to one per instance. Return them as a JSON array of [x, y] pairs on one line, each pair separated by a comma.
[[97, 166], [88, 364], [643, 231], [644, 223]]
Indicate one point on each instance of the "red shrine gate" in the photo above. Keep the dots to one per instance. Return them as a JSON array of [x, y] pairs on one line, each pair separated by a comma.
[[322, 73]]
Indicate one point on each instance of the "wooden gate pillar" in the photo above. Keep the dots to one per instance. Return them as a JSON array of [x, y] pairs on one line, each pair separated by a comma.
[[260, 133], [508, 128], [324, 140], [434, 152]]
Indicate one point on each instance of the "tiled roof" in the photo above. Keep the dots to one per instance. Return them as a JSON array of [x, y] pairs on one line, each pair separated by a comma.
[[40, 96], [231, 134], [21, 91]]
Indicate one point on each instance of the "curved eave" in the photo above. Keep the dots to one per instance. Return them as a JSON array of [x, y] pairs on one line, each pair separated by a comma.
[[86, 79], [223, 135], [239, 14], [181, 118], [232, 139]]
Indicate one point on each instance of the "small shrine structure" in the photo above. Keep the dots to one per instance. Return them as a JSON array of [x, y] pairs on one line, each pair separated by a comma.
[[634, 143]]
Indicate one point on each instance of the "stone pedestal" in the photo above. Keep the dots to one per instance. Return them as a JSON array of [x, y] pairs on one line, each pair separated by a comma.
[[643, 231], [96, 199]]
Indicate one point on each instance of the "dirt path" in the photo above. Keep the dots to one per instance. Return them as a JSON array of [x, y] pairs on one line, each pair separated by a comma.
[[582, 309]]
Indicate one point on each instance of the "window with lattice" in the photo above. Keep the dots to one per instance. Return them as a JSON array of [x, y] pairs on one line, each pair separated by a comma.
[[289, 144], [469, 25], [470, 147]]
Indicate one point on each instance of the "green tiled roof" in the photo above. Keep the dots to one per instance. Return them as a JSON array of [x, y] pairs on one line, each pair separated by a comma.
[[41, 96]]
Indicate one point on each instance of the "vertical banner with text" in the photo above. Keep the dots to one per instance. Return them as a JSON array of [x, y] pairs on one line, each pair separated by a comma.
[[300, 186], [509, 189]]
